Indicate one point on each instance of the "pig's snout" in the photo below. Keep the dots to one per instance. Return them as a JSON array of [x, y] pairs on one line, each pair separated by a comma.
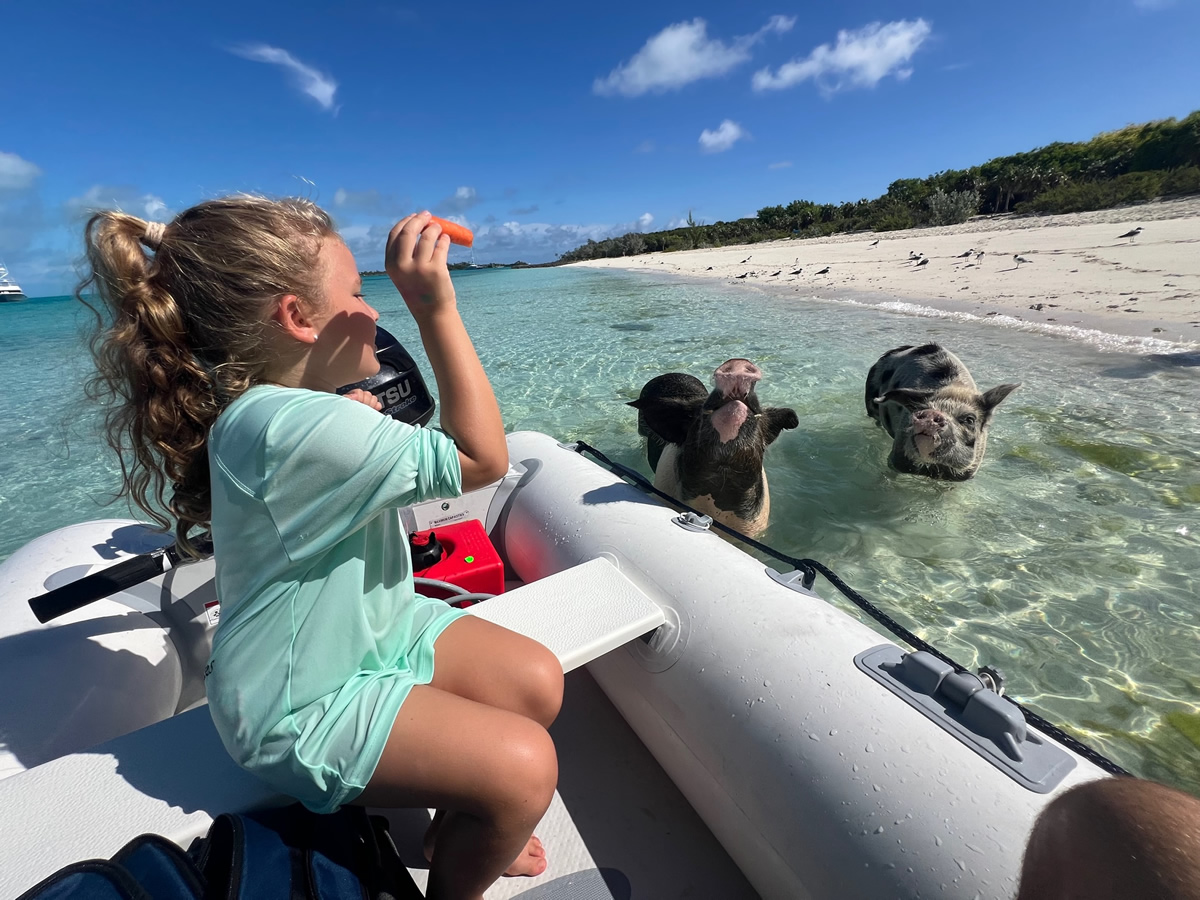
[[735, 379], [928, 421]]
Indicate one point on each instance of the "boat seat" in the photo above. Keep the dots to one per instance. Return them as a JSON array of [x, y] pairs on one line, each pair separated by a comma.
[[173, 777]]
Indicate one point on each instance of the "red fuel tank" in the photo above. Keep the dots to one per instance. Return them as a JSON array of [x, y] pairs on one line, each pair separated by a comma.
[[460, 554]]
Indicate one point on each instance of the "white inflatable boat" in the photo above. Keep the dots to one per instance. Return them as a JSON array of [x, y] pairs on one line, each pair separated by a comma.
[[747, 738]]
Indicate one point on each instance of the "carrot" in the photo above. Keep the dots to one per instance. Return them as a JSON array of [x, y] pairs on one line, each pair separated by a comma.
[[459, 234]]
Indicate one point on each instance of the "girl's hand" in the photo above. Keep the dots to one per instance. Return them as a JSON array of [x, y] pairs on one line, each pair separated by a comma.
[[415, 260], [366, 398]]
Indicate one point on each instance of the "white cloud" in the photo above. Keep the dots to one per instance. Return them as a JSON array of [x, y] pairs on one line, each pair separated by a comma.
[[462, 200], [860, 58], [120, 197], [317, 85], [155, 208], [645, 220], [680, 54], [728, 134], [16, 174]]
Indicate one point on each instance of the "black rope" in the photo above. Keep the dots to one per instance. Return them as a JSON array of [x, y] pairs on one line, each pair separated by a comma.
[[810, 568]]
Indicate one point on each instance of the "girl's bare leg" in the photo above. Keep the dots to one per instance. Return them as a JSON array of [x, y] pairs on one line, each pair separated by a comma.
[[480, 661], [492, 769]]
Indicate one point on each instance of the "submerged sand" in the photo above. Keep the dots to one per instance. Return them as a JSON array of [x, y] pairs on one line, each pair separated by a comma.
[[1080, 272]]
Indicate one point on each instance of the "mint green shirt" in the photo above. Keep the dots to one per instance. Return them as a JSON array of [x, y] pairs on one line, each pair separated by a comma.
[[321, 635]]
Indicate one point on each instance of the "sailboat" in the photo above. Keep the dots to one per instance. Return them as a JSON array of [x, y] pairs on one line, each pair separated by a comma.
[[9, 289]]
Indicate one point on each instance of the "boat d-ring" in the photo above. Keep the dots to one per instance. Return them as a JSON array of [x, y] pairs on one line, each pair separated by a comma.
[[692, 521]]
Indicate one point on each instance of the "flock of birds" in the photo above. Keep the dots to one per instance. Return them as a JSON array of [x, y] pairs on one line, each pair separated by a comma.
[[917, 260]]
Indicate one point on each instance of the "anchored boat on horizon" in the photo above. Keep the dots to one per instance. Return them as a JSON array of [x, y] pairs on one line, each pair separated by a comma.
[[9, 289]]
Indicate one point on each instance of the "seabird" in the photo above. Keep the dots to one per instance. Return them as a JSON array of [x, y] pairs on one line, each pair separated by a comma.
[[823, 271], [797, 272], [773, 274], [1021, 259], [743, 275], [965, 255], [1132, 234], [874, 242], [979, 257], [921, 262], [746, 260], [912, 255]]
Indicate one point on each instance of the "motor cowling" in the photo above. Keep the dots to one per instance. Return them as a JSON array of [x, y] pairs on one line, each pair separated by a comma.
[[398, 384]]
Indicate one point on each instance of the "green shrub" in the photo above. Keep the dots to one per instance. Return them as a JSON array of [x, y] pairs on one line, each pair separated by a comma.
[[1182, 181], [951, 208]]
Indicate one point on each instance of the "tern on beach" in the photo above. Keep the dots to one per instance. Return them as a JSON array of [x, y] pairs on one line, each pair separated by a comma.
[[1020, 259], [965, 255], [1132, 234], [873, 243], [823, 271], [922, 262]]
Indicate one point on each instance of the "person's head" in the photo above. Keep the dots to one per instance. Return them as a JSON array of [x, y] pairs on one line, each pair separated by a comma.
[[198, 312], [1118, 838]]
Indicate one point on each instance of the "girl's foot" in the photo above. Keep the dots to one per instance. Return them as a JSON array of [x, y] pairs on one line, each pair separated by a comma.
[[531, 860]]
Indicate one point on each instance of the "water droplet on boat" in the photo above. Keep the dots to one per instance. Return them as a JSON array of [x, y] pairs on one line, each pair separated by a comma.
[[937, 841], [876, 788], [813, 737], [832, 732], [879, 830], [868, 749], [962, 865]]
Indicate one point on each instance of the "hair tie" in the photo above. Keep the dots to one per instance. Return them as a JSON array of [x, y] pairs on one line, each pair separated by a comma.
[[153, 235]]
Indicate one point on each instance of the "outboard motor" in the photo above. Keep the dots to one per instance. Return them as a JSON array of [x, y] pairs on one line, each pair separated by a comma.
[[398, 384]]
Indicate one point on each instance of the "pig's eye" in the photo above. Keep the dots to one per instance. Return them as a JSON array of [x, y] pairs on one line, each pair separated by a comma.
[[968, 421]]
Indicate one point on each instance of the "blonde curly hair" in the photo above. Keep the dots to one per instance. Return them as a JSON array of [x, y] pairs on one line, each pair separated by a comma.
[[182, 330]]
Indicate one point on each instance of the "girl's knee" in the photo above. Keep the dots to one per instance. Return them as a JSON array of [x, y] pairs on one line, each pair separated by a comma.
[[524, 769], [544, 688]]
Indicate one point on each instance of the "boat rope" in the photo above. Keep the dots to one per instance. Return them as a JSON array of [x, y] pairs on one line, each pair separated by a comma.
[[810, 568]]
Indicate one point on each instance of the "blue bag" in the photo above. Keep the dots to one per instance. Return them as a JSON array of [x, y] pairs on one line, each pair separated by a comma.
[[280, 854]]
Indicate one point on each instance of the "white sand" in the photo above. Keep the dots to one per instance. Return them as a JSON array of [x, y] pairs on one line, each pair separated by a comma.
[[1079, 271]]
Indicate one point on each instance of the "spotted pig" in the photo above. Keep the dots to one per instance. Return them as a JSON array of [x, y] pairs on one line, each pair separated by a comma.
[[926, 399], [707, 448]]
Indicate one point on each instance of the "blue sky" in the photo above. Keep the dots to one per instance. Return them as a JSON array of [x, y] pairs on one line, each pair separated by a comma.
[[541, 125]]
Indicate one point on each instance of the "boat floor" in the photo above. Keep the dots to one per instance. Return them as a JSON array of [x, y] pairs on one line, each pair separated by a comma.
[[615, 811]]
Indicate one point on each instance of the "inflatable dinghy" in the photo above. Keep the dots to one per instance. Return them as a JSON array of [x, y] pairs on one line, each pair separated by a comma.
[[728, 733]]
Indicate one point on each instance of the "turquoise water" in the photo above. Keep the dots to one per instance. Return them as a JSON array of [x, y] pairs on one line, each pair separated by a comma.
[[1070, 562]]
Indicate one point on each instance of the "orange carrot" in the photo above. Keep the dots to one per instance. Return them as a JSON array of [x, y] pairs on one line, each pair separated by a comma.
[[459, 234]]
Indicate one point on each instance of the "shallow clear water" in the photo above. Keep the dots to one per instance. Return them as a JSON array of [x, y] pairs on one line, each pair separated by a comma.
[[1070, 561]]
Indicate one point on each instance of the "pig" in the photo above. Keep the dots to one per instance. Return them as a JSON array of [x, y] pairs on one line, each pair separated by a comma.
[[706, 448], [926, 399]]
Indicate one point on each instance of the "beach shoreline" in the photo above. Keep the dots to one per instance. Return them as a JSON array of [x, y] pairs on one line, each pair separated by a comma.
[[1077, 273]]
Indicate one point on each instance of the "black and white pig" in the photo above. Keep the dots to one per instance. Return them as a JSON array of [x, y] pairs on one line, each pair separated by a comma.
[[706, 449], [926, 399]]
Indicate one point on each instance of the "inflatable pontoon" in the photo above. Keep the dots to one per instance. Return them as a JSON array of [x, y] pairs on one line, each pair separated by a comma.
[[728, 733]]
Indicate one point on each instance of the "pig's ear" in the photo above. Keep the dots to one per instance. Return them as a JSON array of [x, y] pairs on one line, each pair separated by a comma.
[[778, 419], [669, 418], [993, 397], [910, 398]]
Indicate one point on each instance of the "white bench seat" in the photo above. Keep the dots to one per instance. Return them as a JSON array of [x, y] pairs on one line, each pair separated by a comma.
[[173, 777]]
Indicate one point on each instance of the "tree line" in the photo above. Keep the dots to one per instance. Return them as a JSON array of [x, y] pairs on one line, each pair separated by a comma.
[[1132, 164]]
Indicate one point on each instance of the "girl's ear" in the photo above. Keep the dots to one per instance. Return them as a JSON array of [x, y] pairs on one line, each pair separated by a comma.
[[294, 319]]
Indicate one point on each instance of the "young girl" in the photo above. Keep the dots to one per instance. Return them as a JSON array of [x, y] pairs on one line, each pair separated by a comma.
[[230, 329]]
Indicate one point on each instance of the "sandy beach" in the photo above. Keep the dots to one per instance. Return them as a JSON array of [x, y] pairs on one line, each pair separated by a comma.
[[1078, 273]]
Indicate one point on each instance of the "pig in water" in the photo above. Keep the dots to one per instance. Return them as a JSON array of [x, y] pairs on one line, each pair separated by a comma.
[[926, 399], [707, 449]]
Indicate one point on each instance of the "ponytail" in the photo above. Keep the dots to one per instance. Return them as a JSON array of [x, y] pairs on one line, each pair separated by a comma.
[[182, 331]]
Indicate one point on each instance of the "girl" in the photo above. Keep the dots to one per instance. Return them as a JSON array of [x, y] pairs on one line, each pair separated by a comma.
[[230, 329]]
